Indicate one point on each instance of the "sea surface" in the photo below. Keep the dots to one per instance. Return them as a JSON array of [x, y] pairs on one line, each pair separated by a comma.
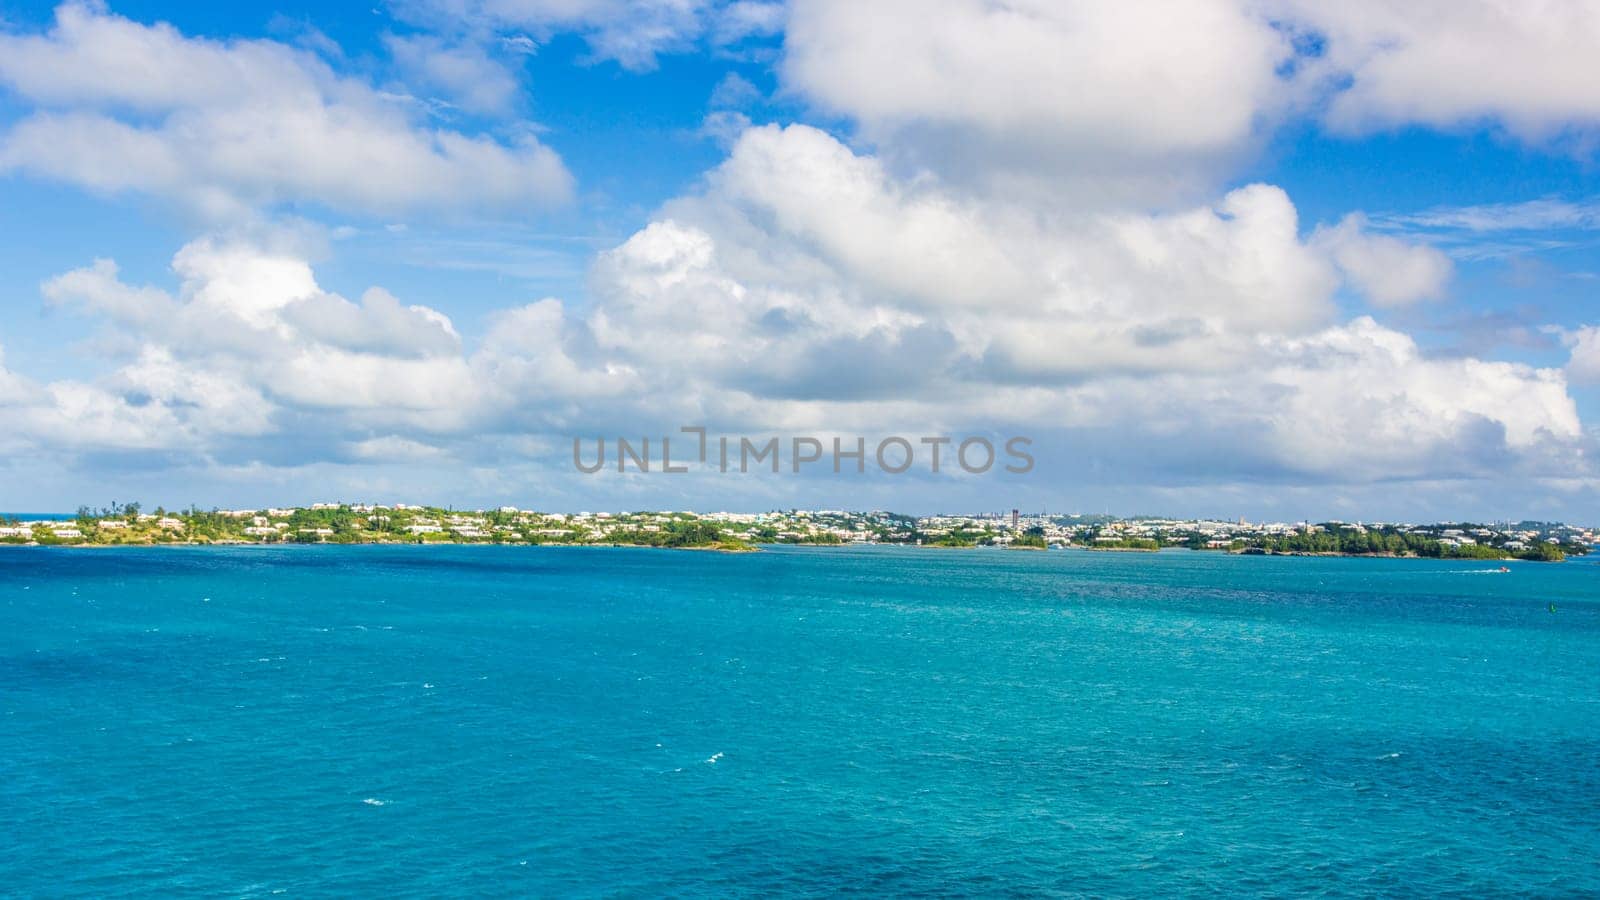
[[432, 721]]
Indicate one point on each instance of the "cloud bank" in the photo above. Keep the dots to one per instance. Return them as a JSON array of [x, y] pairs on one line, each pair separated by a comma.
[[1020, 216]]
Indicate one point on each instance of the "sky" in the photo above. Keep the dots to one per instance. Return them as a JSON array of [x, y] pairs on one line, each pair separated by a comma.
[[1265, 258]]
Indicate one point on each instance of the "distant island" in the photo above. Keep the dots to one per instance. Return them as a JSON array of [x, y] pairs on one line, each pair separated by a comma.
[[363, 523]]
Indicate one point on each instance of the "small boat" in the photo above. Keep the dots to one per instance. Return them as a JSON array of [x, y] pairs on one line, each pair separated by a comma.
[[1503, 569]]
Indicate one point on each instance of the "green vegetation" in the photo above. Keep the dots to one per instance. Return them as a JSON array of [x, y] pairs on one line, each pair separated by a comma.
[[1126, 543], [1031, 538], [1393, 541], [825, 538], [682, 534], [959, 537]]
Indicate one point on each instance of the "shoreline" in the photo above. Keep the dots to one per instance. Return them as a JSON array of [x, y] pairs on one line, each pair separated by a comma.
[[759, 548], [707, 548]]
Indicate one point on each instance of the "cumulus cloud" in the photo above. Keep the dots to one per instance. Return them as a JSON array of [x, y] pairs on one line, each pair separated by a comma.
[[98, 289], [1585, 362], [230, 126], [1150, 101], [1362, 395], [378, 325], [1209, 326], [798, 235], [690, 324], [1525, 66], [1066, 74], [1388, 270], [247, 333]]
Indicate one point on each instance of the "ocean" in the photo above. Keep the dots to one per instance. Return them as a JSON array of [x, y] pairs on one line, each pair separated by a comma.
[[431, 721]]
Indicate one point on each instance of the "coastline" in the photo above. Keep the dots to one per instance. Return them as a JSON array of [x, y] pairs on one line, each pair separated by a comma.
[[400, 523], [758, 548], [150, 545]]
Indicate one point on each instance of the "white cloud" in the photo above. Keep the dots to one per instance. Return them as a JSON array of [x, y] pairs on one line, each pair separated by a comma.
[[632, 33], [1062, 86], [99, 290], [1151, 101], [241, 280], [14, 391], [798, 234], [379, 325], [1210, 329], [734, 91], [1388, 270], [920, 244], [250, 334], [1526, 66], [229, 126], [1544, 214], [748, 18], [1584, 365], [464, 72], [738, 318], [1364, 395], [1069, 70]]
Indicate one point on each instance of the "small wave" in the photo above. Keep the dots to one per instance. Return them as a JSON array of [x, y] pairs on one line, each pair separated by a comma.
[[1395, 755], [714, 758], [373, 801]]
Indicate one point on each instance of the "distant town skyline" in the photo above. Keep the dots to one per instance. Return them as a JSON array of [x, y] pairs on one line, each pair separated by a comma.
[[131, 525]]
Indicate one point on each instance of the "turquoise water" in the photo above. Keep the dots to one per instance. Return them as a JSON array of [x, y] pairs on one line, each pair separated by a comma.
[[497, 720]]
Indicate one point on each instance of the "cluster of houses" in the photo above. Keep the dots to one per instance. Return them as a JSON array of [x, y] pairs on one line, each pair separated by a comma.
[[70, 530], [1220, 534]]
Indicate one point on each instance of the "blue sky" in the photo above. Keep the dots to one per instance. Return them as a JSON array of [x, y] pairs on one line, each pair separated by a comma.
[[1214, 258]]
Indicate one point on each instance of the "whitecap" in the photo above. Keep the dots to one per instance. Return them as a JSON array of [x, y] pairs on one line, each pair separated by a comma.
[[714, 758], [373, 801]]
